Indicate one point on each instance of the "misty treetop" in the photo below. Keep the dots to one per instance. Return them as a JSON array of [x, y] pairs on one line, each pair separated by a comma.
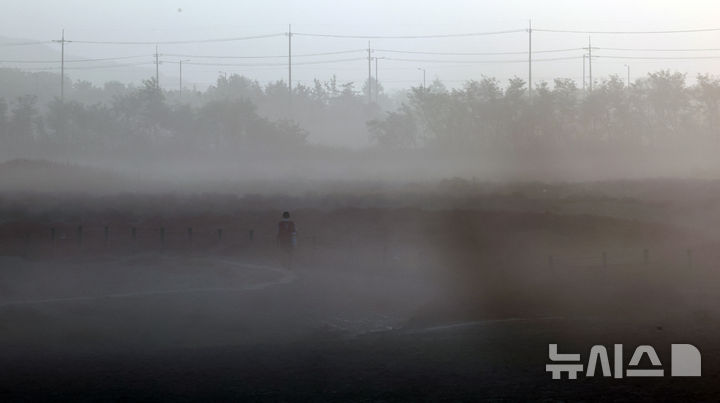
[[658, 110], [236, 112], [486, 116]]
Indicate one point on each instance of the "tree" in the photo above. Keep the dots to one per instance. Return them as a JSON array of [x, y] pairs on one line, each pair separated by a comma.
[[24, 119], [398, 129], [143, 112], [668, 100], [707, 94]]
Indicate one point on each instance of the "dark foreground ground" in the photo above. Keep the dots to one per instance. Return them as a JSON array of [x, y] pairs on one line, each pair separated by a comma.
[[383, 303], [493, 362], [287, 343]]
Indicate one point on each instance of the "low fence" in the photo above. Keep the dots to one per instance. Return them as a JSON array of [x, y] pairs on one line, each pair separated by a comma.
[[72, 239], [622, 257]]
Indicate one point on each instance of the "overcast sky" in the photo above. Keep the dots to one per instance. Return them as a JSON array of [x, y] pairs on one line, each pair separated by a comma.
[[164, 20]]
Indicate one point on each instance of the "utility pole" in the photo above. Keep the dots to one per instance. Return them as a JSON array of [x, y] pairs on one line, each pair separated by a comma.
[[377, 85], [157, 68], [583, 85], [369, 74], [628, 74], [290, 85], [181, 83], [424, 83], [590, 85], [62, 65], [530, 85]]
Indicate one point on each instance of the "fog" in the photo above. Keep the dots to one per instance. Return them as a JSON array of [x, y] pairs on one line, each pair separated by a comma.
[[357, 201], [238, 130]]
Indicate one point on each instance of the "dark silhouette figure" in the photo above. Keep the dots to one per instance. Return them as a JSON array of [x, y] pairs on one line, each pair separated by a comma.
[[286, 239]]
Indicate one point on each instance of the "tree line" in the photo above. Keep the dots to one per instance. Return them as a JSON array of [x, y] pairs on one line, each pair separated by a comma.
[[661, 110], [234, 114]]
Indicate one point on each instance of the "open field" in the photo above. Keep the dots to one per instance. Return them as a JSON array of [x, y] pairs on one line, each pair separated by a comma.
[[446, 291]]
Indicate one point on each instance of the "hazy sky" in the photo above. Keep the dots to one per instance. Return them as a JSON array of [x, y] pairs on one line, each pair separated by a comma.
[[164, 20]]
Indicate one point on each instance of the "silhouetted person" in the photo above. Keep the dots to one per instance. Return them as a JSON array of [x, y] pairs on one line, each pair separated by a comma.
[[286, 239]]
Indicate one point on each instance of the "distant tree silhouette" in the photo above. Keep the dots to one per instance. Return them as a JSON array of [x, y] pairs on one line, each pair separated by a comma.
[[483, 118]]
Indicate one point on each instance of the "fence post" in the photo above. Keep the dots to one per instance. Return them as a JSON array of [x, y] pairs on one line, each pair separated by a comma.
[[219, 232], [79, 234], [646, 256], [604, 259]]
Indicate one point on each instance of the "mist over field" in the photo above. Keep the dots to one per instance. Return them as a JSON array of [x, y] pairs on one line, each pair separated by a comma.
[[237, 130], [366, 201]]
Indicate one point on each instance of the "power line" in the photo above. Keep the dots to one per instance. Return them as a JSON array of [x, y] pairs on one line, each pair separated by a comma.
[[271, 64], [73, 61], [328, 35], [310, 63], [446, 62], [110, 66], [277, 68], [387, 58], [660, 57], [185, 42], [266, 57], [470, 34], [482, 61], [383, 50], [680, 31], [476, 53], [101, 67], [662, 50], [320, 62], [26, 43]]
